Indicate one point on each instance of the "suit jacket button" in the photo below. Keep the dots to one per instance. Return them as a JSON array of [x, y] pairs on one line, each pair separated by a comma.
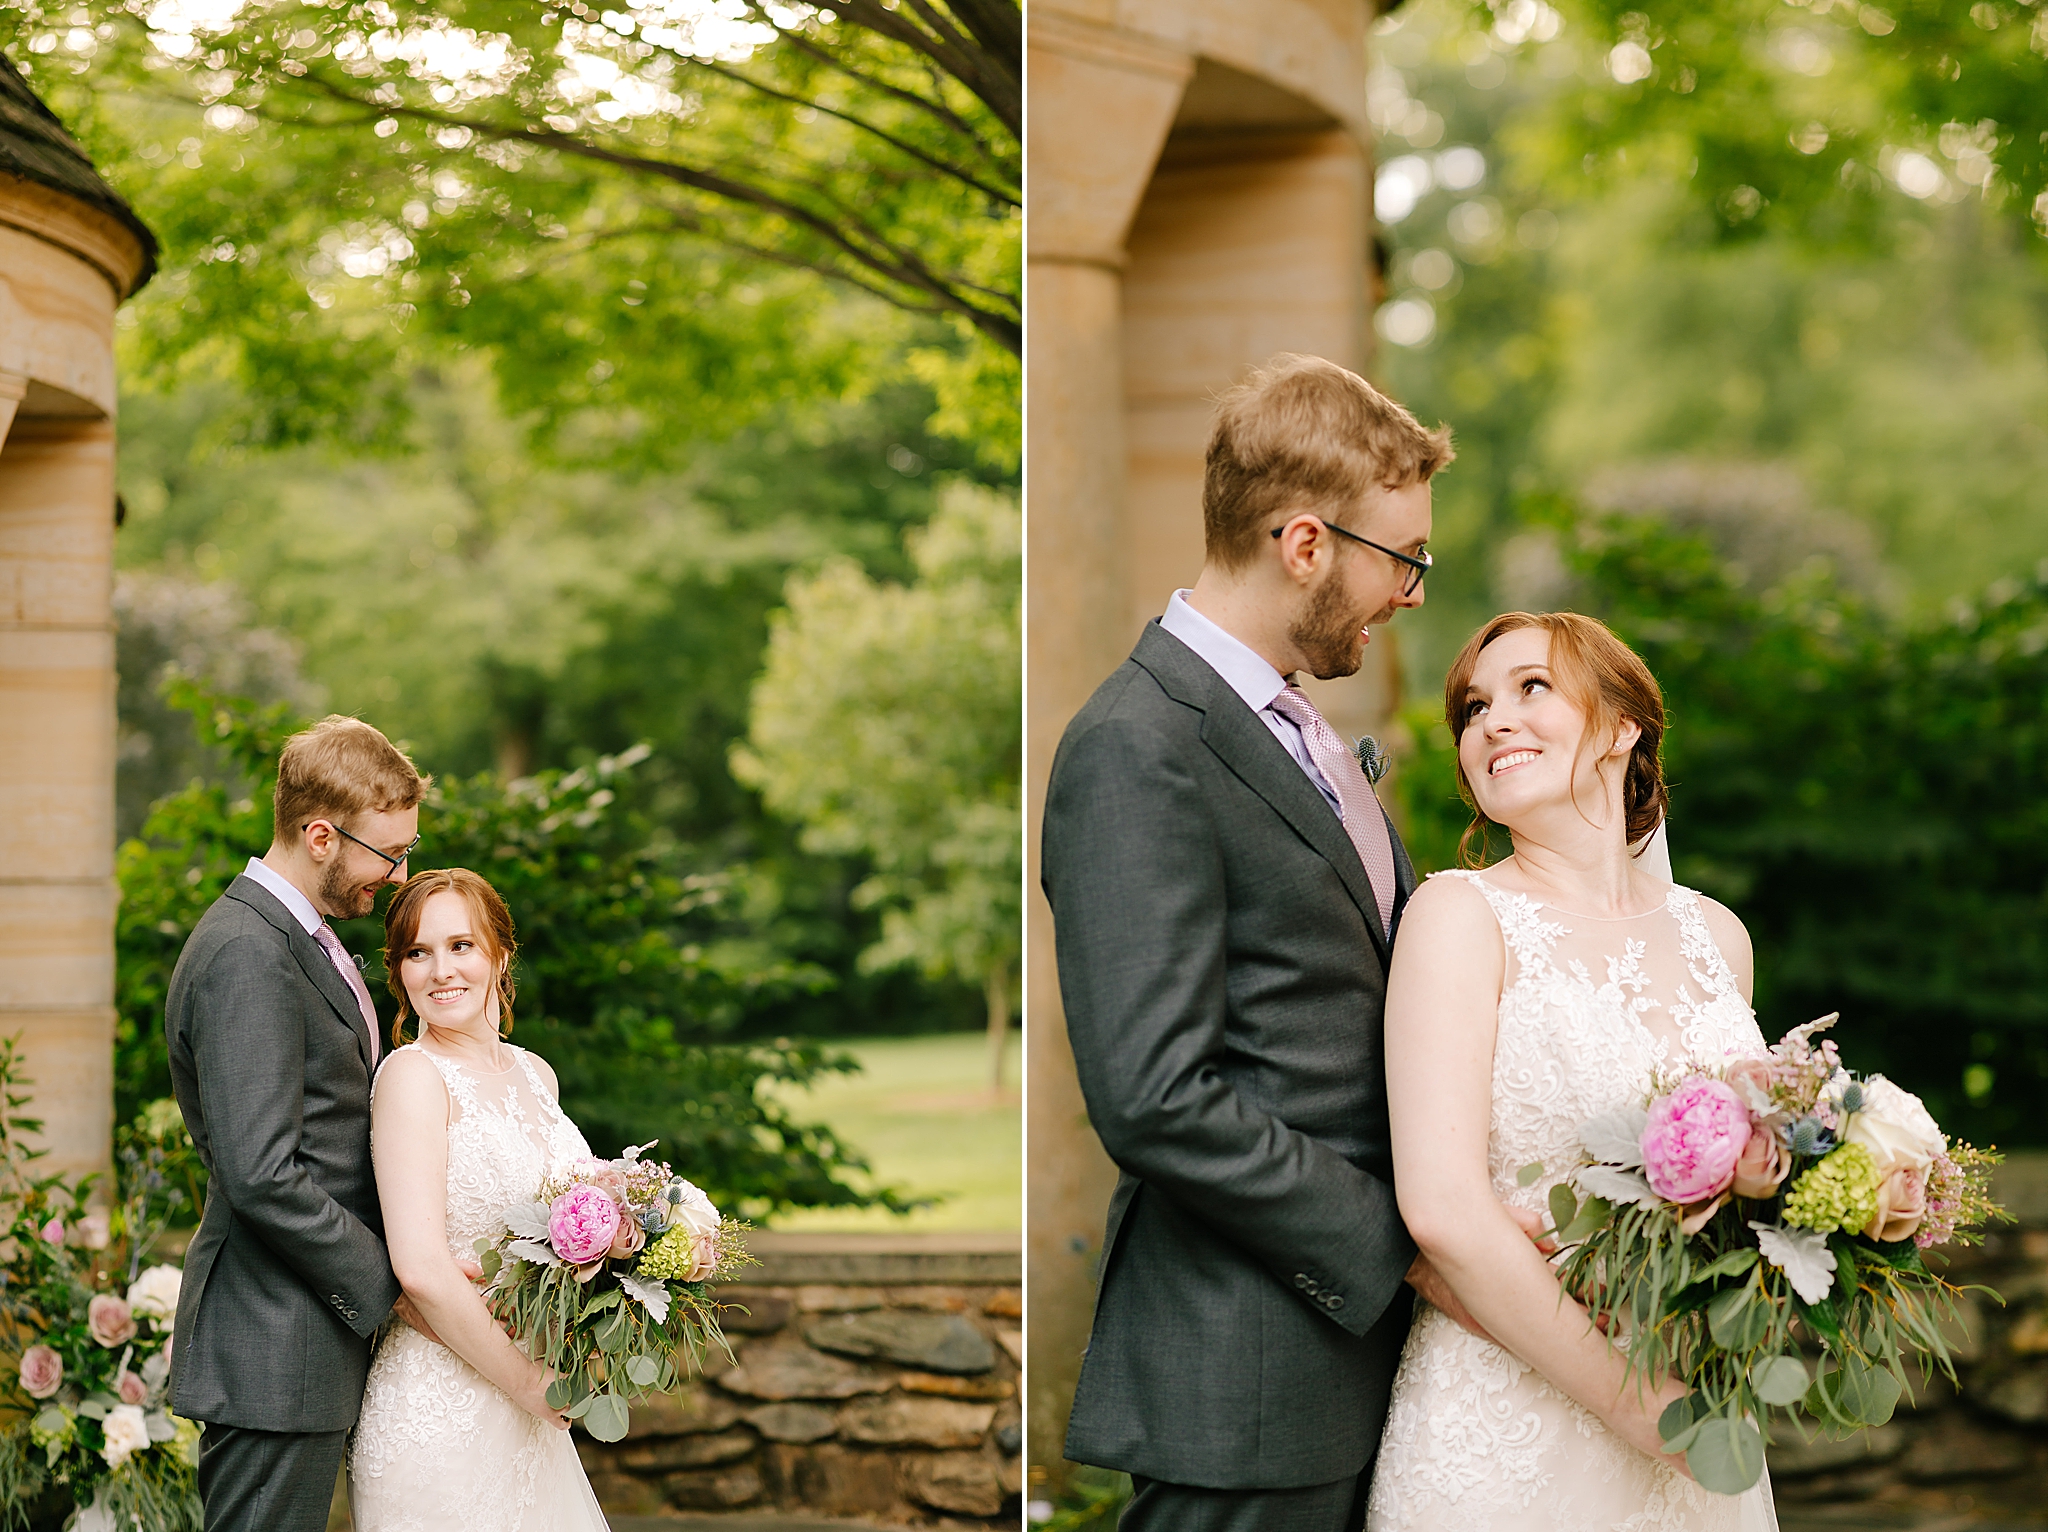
[[1335, 1300], [1301, 1280]]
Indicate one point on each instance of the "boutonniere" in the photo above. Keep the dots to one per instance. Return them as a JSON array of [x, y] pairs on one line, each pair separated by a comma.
[[1372, 760]]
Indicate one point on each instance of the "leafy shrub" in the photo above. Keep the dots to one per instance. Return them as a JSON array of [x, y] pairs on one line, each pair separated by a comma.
[[634, 960]]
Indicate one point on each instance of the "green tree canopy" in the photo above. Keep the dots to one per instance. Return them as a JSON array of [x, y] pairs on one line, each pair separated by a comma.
[[888, 722], [626, 211]]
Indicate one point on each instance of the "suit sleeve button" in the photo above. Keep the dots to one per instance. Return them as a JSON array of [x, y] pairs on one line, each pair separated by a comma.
[[1301, 1280], [1335, 1300]]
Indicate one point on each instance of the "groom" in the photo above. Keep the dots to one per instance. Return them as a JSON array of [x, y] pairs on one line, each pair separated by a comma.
[[1225, 888], [273, 1041]]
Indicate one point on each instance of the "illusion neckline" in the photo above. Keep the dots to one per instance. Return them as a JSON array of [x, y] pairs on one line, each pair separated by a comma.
[[1610, 920], [481, 1074]]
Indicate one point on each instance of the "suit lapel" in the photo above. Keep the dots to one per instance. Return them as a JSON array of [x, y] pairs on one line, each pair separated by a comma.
[[311, 957], [1244, 744]]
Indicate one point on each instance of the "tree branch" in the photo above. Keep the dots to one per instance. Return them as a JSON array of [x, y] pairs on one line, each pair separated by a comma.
[[872, 250], [966, 178]]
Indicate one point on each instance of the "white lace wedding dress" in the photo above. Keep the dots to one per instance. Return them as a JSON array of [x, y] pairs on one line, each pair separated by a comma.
[[1475, 1440], [438, 1447]]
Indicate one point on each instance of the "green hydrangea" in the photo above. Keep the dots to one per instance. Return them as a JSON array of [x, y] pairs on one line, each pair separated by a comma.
[[53, 1429], [669, 1259], [1838, 1193]]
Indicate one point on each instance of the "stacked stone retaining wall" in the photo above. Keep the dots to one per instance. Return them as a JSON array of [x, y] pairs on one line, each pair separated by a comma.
[[874, 1378]]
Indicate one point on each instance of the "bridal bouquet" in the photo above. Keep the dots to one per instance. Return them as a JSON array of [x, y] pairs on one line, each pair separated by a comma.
[[606, 1280], [1748, 1212]]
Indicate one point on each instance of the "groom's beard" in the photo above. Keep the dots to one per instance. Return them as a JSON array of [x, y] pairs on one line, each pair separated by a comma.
[[344, 896], [1327, 633]]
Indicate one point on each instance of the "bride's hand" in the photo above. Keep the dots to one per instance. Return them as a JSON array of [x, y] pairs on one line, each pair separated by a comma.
[[534, 1399]]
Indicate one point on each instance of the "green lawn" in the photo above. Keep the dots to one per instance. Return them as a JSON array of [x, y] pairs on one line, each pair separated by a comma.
[[920, 1111]]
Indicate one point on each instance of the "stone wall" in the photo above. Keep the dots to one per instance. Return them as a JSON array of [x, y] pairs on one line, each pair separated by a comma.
[[875, 1378], [1977, 1451]]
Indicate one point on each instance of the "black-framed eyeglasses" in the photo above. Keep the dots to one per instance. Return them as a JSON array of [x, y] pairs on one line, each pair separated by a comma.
[[395, 861], [1419, 564]]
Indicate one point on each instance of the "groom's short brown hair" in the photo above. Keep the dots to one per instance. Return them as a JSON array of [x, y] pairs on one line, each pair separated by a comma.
[[1302, 433], [339, 768]]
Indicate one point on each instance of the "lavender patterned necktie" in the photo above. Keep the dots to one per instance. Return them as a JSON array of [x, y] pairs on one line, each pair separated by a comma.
[[1363, 820], [324, 935]]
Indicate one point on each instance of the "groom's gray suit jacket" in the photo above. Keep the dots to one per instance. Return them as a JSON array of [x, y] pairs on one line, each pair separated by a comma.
[[287, 1278], [1223, 973]]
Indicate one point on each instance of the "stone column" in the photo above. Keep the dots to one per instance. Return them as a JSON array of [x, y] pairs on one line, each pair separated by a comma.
[[1101, 105], [57, 891], [65, 264]]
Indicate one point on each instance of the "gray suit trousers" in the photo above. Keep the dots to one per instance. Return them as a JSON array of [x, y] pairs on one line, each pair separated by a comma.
[[1157, 1506], [268, 1481]]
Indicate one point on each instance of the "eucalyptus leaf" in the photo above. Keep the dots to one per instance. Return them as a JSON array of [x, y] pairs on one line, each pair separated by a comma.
[[582, 1406], [1727, 1456], [1529, 1174], [560, 1394], [1680, 1415], [1595, 1213], [606, 1418], [1780, 1380], [643, 1370], [1564, 1205]]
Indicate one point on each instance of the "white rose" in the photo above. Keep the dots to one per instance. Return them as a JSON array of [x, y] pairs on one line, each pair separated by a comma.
[[696, 1212], [126, 1432], [1894, 1127], [154, 1295]]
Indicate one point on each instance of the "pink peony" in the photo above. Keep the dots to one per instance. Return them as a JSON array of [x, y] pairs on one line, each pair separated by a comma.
[[130, 1387], [42, 1372], [109, 1320], [1693, 1141], [581, 1224], [53, 1232]]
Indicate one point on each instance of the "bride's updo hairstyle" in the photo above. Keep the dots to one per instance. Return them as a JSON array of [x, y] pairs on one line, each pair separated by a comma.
[[490, 922], [1606, 680]]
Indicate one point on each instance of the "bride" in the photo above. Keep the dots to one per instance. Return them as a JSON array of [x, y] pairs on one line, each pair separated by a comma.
[[1522, 1001], [455, 1430]]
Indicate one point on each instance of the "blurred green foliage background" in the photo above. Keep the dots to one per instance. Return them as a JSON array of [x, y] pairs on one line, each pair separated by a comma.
[[1740, 313], [507, 368]]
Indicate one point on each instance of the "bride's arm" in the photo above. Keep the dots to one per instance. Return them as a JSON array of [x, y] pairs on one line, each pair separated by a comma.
[[409, 1148], [1442, 1000]]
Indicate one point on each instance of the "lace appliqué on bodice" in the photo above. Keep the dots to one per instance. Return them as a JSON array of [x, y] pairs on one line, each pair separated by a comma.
[[437, 1444], [1590, 1011]]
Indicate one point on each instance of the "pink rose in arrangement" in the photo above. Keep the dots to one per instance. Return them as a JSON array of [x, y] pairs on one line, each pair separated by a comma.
[[53, 1232], [629, 1238], [1693, 1140], [1901, 1205], [130, 1387], [581, 1224], [110, 1321], [1761, 1168], [42, 1372]]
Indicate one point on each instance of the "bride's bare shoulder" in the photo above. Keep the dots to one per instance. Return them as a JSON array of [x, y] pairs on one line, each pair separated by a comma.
[[1448, 917]]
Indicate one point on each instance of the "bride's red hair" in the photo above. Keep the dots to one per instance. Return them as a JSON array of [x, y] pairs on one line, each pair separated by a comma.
[[1606, 680]]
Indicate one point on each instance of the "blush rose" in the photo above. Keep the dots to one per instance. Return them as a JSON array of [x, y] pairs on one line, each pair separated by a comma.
[[42, 1372], [110, 1321]]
